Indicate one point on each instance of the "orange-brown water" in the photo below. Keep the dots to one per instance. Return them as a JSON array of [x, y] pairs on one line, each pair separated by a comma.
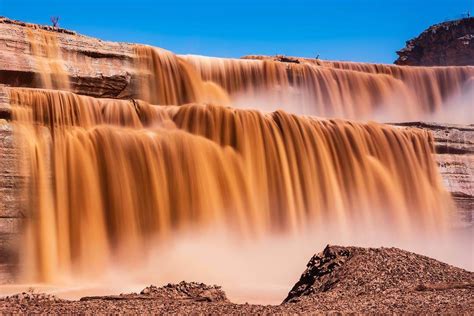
[[347, 90], [48, 60], [111, 181], [167, 79], [309, 86], [109, 176]]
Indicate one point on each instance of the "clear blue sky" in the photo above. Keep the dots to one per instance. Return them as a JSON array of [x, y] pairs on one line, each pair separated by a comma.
[[359, 30]]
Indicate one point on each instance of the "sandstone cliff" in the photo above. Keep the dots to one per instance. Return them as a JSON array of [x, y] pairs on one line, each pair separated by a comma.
[[454, 145], [445, 44], [97, 68]]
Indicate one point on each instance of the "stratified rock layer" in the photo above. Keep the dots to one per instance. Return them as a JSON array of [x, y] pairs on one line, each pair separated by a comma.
[[445, 44], [454, 146], [97, 68]]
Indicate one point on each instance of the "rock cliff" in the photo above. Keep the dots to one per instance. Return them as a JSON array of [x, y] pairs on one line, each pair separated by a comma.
[[454, 146], [445, 44], [96, 68]]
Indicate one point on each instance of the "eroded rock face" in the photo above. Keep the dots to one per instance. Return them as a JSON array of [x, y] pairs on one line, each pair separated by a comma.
[[445, 44], [380, 279], [454, 146], [96, 68], [11, 213]]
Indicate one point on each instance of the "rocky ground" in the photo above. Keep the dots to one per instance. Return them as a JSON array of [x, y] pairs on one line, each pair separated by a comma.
[[337, 280]]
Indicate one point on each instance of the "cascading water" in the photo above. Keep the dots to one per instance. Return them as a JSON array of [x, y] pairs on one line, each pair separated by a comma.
[[110, 177], [109, 174], [347, 90], [44, 46], [167, 79]]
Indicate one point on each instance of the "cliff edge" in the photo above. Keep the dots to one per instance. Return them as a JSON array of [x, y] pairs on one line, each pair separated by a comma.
[[446, 44]]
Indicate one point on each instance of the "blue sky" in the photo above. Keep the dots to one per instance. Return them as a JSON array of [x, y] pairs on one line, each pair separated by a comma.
[[358, 30]]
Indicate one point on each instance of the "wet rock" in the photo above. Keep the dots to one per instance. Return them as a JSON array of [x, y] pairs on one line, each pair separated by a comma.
[[454, 147]]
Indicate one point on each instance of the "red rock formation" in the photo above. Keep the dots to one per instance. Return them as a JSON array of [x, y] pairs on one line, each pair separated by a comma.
[[110, 77], [454, 145], [445, 44]]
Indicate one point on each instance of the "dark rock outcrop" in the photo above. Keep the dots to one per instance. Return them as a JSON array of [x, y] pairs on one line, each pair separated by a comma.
[[445, 44], [320, 268]]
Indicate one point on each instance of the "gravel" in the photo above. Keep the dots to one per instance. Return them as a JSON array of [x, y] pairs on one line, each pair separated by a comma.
[[337, 280]]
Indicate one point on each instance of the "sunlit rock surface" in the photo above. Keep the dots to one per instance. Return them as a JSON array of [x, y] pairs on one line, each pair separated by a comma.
[[445, 44], [97, 68]]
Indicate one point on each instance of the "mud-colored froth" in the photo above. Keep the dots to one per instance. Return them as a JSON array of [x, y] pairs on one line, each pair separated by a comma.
[[108, 177]]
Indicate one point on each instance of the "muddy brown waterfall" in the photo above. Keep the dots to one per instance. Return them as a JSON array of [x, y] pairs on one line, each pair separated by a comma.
[[346, 90], [107, 175], [109, 178], [297, 85]]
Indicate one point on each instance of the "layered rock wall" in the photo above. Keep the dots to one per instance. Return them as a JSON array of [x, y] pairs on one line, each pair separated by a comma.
[[454, 146], [97, 68]]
